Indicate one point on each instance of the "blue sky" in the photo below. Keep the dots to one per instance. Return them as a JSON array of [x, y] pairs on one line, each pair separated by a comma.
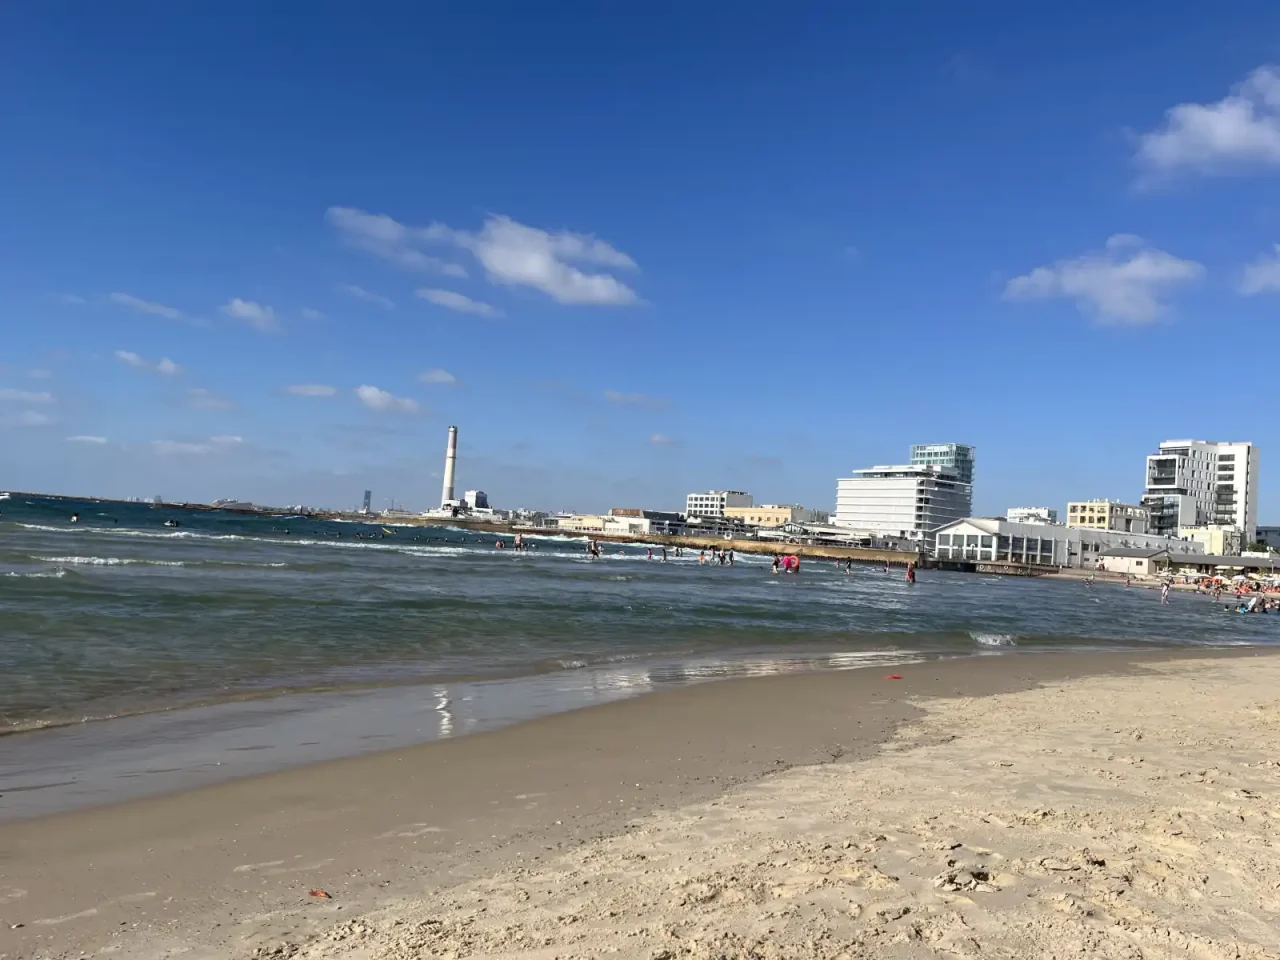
[[631, 253]]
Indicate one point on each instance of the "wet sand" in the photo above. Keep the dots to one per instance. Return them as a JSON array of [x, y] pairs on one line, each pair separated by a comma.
[[803, 811]]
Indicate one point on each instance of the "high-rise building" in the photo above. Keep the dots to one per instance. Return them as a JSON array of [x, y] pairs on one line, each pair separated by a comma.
[[908, 501], [956, 457], [713, 502], [1196, 483], [368, 502]]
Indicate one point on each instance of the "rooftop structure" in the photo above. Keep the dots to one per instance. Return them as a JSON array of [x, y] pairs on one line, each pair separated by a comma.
[[1031, 515], [713, 502], [956, 457]]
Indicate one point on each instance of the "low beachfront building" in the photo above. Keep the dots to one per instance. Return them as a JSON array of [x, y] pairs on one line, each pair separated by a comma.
[[634, 522], [1108, 515], [904, 502], [1218, 539], [990, 540], [775, 514], [1136, 562], [1208, 564]]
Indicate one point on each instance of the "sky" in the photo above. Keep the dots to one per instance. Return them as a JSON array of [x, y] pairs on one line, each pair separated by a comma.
[[632, 250]]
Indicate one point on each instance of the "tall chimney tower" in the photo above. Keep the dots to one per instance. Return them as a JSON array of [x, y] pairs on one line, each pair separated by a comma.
[[450, 461]]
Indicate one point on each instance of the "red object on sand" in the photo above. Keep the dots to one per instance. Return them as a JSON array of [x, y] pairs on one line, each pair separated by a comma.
[[894, 676], [322, 894]]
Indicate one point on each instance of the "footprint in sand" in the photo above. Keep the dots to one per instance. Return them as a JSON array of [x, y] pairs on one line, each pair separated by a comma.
[[411, 830]]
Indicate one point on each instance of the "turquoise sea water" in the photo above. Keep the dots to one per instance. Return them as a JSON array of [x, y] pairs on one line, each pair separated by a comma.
[[118, 615]]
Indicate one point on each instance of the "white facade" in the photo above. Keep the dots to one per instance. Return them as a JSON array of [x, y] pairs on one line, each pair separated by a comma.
[[476, 500], [1194, 483], [908, 501], [954, 457], [982, 540], [713, 502], [1031, 515]]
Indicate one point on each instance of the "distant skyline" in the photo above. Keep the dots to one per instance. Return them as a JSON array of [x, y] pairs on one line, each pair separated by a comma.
[[632, 253]]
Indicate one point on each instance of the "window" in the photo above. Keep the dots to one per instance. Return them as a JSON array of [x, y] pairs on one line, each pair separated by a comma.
[[986, 543], [944, 539]]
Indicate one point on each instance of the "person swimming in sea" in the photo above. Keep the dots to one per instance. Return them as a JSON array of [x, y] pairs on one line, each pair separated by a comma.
[[75, 518]]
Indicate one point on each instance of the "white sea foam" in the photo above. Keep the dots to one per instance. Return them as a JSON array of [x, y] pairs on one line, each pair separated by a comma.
[[44, 574], [994, 639]]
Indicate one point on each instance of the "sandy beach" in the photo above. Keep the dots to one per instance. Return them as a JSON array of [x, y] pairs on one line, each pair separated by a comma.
[[1110, 805]]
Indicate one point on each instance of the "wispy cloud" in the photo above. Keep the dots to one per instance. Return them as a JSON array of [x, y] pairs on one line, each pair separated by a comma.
[[311, 390], [202, 399], [384, 402], [1127, 282], [39, 373], [661, 440], [1263, 275], [1239, 132], [360, 293], [635, 400], [438, 376], [259, 316], [27, 418], [459, 302], [25, 396], [84, 438], [221, 444], [380, 235], [146, 306], [72, 299], [164, 366], [511, 253], [310, 313]]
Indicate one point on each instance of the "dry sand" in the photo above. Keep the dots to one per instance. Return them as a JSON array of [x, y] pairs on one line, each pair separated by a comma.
[[1130, 815]]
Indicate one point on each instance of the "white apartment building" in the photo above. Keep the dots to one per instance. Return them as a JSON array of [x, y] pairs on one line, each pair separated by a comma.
[[1108, 515], [984, 540], [908, 501], [713, 502], [1031, 515], [1195, 483], [955, 457]]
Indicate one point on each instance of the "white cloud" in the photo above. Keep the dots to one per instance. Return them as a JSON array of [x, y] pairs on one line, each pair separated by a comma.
[[511, 253], [378, 234], [27, 418], [384, 402], [1238, 132], [196, 448], [1263, 275], [635, 399], [25, 396], [438, 376], [310, 313], [661, 440], [1126, 283], [517, 255], [83, 438], [146, 306], [459, 302], [259, 316], [360, 293], [163, 366], [132, 359], [203, 399], [312, 390]]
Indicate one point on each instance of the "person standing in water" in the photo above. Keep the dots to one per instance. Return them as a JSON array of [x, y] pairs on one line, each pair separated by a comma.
[[1164, 593], [911, 573], [775, 564], [648, 553], [731, 556], [664, 554]]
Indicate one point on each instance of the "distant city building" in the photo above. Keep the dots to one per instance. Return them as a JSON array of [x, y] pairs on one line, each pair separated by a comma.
[[1195, 483], [713, 502], [955, 457], [631, 521], [776, 514], [1108, 515], [908, 501], [1267, 536], [476, 500], [1031, 515], [1216, 539], [982, 540], [368, 502]]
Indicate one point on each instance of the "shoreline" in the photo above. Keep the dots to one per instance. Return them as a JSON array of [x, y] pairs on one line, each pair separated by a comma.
[[226, 868]]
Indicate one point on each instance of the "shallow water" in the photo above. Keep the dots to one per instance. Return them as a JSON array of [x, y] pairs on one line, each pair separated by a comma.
[[117, 615]]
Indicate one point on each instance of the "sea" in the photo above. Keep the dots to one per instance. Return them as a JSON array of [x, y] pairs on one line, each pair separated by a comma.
[[123, 640]]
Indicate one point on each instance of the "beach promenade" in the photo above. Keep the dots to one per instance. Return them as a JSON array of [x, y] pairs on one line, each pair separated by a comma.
[[1110, 805]]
